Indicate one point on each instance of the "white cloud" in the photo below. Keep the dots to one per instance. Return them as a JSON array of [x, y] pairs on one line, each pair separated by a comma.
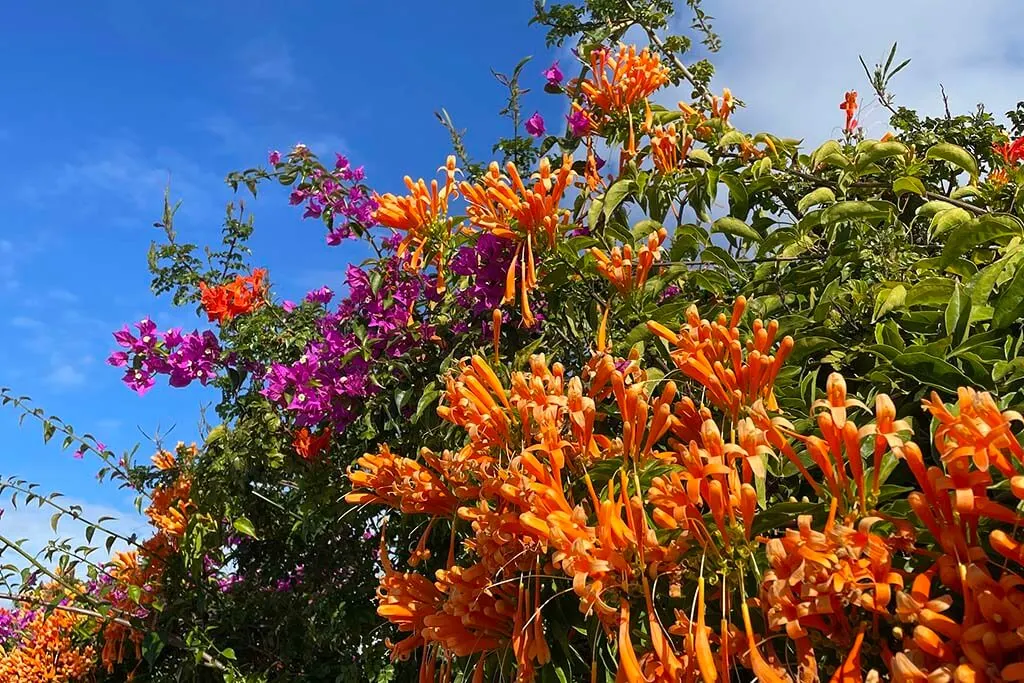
[[791, 61], [33, 524], [64, 375]]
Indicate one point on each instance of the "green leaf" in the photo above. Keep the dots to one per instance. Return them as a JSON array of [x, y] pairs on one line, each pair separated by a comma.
[[852, 211], [1009, 304], [883, 150], [739, 198], [949, 219], [927, 369], [643, 228], [889, 300], [733, 226], [244, 526], [594, 213], [956, 155], [615, 194], [700, 154], [981, 231], [958, 314], [908, 184], [822, 195], [932, 291], [430, 394], [48, 431]]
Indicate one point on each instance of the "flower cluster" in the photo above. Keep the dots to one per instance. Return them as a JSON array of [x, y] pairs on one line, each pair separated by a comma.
[[331, 378], [137, 574], [195, 356], [41, 645], [338, 196], [677, 499], [241, 296]]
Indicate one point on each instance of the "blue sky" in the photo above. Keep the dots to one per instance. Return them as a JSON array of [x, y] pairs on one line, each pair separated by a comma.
[[103, 102], [106, 101]]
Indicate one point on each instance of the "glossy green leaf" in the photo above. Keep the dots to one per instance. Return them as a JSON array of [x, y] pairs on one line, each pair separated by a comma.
[[908, 184], [956, 155], [1009, 304], [732, 226], [883, 150], [853, 211], [244, 526], [949, 219], [958, 314], [889, 300], [822, 195], [616, 194], [930, 370], [978, 232]]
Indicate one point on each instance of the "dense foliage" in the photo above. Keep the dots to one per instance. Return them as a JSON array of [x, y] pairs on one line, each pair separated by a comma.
[[712, 407]]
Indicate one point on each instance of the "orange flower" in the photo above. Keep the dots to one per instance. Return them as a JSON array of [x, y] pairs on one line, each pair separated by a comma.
[[401, 483], [723, 107], [310, 447], [508, 209], [711, 354], [980, 431], [619, 269], [619, 81], [45, 651], [241, 296], [422, 215], [669, 148], [849, 106]]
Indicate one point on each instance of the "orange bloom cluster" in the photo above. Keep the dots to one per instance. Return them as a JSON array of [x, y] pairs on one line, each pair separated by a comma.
[[735, 375], [422, 216], [168, 512], [618, 267], [504, 206], [46, 650], [634, 493], [618, 81], [669, 148], [240, 297]]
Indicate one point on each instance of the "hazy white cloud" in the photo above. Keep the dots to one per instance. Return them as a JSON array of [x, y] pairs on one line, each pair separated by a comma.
[[66, 375], [791, 61], [33, 523]]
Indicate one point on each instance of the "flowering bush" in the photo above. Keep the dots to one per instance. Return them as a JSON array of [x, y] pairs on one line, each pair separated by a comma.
[[513, 448]]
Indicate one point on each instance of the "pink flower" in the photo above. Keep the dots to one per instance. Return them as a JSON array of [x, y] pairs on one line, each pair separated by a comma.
[[579, 122], [553, 74], [535, 125], [274, 158]]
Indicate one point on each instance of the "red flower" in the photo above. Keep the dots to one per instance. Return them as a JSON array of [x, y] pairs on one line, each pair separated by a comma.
[[310, 447]]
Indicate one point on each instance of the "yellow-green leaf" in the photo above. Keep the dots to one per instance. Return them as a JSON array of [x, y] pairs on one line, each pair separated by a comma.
[[908, 184], [822, 195], [889, 300], [956, 155], [733, 226]]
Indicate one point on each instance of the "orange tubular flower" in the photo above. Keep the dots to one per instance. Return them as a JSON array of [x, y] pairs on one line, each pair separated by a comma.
[[619, 268], [619, 81], [711, 354], [508, 209], [400, 483], [669, 148], [242, 296], [422, 216], [723, 107], [406, 600], [44, 651], [849, 106], [980, 431]]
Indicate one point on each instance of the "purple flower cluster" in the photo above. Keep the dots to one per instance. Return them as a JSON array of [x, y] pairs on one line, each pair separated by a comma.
[[332, 377], [670, 291], [293, 579], [13, 622], [486, 263], [338, 197], [184, 358]]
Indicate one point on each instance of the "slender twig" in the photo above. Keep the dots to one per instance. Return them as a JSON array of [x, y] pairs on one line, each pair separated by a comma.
[[72, 513]]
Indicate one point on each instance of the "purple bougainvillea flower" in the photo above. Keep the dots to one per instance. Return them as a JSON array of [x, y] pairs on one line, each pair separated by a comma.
[[320, 296], [274, 158], [579, 123], [535, 125], [553, 74]]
